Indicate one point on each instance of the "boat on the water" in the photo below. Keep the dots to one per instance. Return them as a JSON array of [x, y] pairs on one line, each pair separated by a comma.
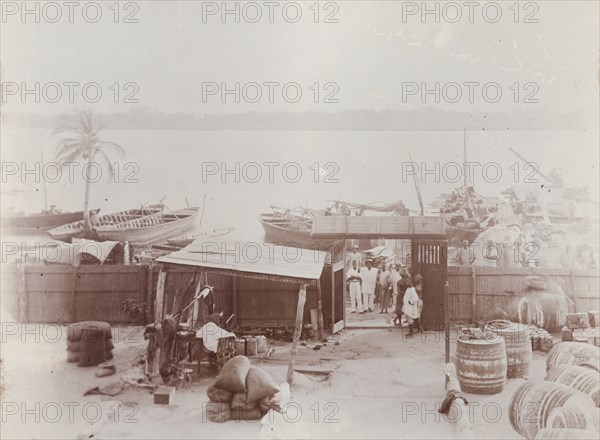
[[42, 221], [149, 228], [66, 232]]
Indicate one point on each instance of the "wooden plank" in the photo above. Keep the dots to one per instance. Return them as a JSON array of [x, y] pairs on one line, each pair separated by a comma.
[[314, 323], [338, 326], [297, 333]]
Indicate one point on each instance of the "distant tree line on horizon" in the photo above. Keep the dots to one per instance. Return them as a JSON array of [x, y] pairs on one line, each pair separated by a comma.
[[397, 120]]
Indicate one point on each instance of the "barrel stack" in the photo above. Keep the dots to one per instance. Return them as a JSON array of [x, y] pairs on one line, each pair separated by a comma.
[[565, 405]]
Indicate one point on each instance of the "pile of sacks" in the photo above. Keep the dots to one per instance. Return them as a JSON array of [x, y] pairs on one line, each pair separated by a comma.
[[240, 392], [95, 336]]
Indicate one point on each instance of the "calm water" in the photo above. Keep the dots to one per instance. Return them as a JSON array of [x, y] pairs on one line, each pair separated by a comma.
[[360, 166]]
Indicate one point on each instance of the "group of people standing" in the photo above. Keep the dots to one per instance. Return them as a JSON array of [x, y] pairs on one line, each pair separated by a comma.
[[388, 286]]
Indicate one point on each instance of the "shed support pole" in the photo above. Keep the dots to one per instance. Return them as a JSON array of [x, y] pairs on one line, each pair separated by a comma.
[[155, 352], [446, 326], [297, 333], [320, 312]]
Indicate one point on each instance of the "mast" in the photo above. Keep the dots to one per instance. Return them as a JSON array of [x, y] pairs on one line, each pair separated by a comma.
[[465, 182], [417, 188], [44, 182]]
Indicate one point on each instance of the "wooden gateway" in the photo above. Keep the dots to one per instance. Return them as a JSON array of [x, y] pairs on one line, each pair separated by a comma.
[[429, 252]]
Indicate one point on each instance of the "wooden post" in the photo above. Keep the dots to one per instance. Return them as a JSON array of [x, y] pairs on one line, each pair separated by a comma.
[[297, 333], [72, 298], [320, 312], [149, 289], [22, 293], [344, 297], [574, 294], [158, 319], [474, 295], [234, 305], [446, 325], [160, 297]]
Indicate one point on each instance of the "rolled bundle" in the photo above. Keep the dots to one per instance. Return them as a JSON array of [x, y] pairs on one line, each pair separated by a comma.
[[74, 331], [580, 378], [241, 392], [572, 353], [531, 404], [92, 346]]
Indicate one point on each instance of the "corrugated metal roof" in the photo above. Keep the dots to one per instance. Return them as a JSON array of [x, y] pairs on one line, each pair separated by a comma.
[[251, 258]]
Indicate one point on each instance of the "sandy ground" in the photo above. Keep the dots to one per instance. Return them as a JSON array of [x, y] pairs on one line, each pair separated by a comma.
[[380, 385]]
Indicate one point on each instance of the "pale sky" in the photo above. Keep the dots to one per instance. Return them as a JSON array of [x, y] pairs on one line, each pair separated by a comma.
[[369, 54]]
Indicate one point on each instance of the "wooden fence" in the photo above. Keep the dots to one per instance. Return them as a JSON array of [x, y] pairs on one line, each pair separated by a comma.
[[63, 293], [479, 293]]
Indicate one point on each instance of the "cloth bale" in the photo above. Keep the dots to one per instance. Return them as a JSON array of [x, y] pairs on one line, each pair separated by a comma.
[[73, 356], [218, 412], [92, 347], [75, 330], [246, 414], [259, 384], [76, 345], [265, 404], [216, 394], [233, 375], [239, 401]]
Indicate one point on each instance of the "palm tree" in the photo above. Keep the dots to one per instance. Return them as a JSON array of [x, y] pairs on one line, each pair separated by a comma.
[[81, 141]]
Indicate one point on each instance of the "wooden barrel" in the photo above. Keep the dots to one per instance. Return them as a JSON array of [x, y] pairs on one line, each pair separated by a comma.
[[565, 434], [517, 338], [571, 353], [251, 346], [240, 346], [92, 347], [481, 365], [580, 378], [541, 309], [593, 364], [571, 417], [531, 404]]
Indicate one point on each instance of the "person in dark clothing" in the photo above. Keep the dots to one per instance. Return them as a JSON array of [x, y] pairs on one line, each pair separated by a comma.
[[403, 284]]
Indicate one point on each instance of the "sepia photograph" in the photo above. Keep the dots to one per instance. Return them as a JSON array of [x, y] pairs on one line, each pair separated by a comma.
[[310, 219]]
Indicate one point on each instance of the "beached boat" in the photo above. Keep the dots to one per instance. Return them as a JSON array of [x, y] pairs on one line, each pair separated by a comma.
[[294, 225], [149, 228], [68, 231], [40, 221], [188, 239]]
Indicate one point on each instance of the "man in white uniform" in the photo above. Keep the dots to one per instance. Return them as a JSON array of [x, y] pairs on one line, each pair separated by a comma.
[[395, 278], [353, 278], [369, 280], [354, 256]]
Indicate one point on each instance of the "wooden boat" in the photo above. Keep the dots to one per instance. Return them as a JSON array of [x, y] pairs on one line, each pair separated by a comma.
[[188, 239], [293, 225], [68, 231], [41, 221], [149, 228]]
